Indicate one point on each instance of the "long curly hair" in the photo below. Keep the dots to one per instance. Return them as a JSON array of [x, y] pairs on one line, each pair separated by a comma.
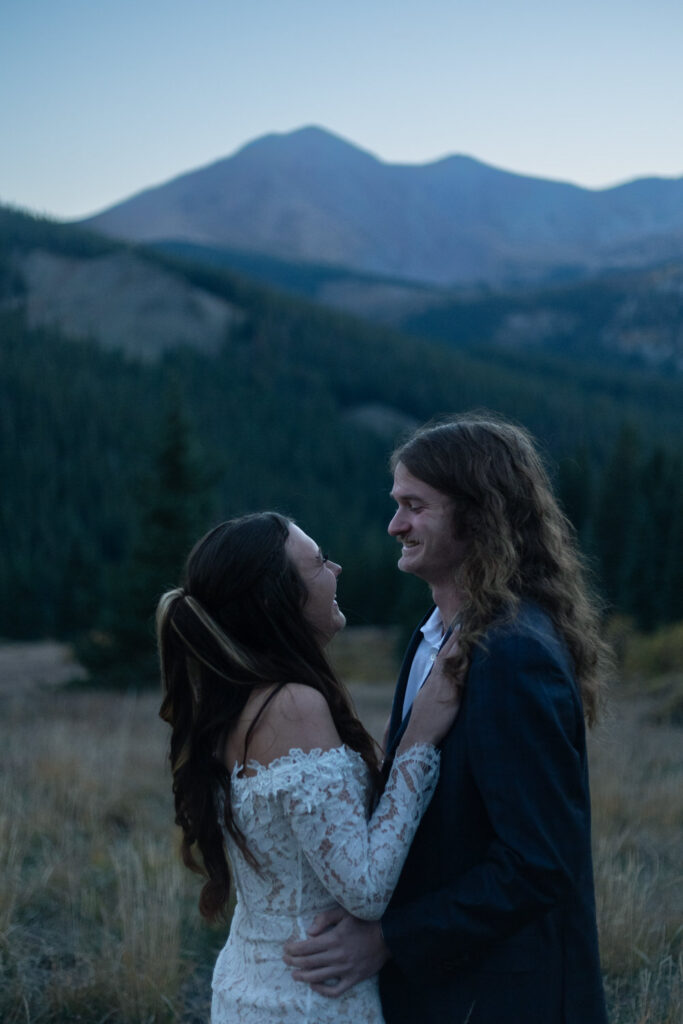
[[519, 544], [236, 623]]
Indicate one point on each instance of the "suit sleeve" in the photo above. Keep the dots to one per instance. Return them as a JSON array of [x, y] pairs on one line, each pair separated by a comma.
[[524, 732]]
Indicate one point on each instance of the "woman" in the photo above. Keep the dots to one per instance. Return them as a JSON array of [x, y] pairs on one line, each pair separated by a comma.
[[270, 761]]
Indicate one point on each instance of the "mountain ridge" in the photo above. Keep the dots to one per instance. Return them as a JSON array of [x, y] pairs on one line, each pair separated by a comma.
[[312, 196]]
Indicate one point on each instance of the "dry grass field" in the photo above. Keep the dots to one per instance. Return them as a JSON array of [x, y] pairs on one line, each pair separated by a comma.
[[98, 922]]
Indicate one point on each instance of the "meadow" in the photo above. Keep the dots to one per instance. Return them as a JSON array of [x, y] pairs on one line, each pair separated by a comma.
[[98, 921]]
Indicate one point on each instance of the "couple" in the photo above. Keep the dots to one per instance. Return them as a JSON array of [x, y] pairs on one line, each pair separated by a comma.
[[454, 885]]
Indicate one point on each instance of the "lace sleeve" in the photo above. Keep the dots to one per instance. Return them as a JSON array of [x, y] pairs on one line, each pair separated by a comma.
[[359, 861]]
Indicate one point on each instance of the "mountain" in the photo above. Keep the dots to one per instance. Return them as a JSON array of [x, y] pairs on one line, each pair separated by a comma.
[[311, 196], [630, 316]]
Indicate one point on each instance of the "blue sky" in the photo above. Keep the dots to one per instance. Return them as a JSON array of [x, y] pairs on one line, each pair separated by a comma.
[[101, 99]]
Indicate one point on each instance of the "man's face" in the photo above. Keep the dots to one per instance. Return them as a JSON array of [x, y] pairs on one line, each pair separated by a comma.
[[424, 525]]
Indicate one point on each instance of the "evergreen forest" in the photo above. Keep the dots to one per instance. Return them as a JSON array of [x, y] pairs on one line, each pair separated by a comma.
[[111, 466]]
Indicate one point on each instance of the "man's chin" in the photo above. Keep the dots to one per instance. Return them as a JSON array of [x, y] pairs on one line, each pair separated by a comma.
[[407, 564]]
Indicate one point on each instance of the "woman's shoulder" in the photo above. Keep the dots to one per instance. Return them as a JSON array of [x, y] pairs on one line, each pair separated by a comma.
[[295, 716], [295, 700], [300, 699]]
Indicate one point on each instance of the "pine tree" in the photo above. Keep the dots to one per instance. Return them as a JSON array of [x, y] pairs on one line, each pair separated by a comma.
[[657, 583], [575, 489], [617, 518], [173, 507], [671, 584]]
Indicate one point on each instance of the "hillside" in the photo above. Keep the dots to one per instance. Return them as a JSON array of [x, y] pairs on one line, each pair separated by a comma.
[[628, 316], [292, 407], [634, 316], [311, 196]]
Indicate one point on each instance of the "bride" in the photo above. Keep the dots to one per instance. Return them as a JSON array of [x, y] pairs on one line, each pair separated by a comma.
[[270, 763]]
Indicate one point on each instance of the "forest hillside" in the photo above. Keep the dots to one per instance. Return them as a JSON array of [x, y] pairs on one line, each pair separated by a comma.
[[127, 373]]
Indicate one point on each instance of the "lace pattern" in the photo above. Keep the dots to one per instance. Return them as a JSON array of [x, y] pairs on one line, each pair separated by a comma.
[[304, 817]]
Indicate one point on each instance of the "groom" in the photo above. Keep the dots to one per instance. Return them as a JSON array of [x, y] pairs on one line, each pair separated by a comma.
[[493, 918]]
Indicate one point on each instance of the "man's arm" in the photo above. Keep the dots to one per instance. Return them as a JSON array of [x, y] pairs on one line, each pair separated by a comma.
[[341, 951]]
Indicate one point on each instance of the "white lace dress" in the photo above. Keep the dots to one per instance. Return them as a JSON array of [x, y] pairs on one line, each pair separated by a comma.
[[304, 817]]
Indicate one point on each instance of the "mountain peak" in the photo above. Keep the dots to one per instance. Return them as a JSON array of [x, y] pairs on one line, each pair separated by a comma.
[[309, 195], [308, 142]]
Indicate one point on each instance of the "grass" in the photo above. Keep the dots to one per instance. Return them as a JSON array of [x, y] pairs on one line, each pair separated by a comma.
[[97, 916], [637, 790], [98, 921]]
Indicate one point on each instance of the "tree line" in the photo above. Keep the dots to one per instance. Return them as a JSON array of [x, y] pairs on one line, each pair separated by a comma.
[[96, 464], [111, 467]]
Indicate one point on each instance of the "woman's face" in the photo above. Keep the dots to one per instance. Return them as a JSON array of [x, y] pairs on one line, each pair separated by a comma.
[[320, 576]]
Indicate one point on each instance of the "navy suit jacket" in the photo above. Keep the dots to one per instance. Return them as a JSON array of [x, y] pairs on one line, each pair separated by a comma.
[[493, 918]]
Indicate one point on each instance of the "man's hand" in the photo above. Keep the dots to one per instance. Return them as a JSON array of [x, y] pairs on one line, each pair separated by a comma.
[[340, 952]]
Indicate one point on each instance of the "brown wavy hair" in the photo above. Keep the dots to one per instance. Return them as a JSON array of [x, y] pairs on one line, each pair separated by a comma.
[[237, 623], [519, 543]]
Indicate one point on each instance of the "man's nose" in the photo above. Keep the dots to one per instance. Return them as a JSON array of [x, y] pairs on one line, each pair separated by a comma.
[[396, 525]]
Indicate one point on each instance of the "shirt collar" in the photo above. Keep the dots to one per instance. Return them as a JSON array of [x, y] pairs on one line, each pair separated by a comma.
[[432, 630]]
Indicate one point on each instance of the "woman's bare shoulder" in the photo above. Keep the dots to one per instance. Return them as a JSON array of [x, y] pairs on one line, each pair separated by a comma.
[[297, 700], [296, 717]]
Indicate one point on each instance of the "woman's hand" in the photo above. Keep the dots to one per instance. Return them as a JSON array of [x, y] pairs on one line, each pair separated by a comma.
[[437, 702]]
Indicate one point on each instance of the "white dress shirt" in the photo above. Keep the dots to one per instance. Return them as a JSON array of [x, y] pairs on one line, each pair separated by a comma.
[[425, 655]]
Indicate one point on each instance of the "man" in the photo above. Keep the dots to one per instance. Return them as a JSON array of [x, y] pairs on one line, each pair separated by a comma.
[[493, 919]]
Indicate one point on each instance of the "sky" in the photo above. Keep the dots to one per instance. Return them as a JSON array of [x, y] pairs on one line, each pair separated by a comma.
[[100, 99]]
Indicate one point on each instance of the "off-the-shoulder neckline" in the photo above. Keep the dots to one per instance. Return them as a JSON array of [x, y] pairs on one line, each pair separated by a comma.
[[295, 756]]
